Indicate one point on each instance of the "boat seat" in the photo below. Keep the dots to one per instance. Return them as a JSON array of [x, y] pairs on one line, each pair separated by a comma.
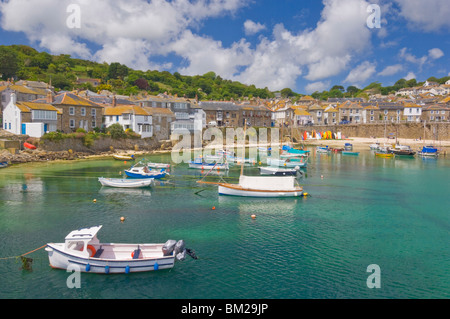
[[136, 253], [98, 253]]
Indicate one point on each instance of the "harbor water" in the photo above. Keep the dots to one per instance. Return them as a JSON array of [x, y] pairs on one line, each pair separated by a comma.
[[362, 211]]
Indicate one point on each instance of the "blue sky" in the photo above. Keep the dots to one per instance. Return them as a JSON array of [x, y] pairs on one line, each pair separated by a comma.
[[305, 45]]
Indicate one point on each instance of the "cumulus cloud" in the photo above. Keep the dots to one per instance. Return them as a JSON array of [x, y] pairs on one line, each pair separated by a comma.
[[252, 28], [135, 32], [410, 76], [361, 73], [433, 54], [430, 15], [317, 86], [391, 70]]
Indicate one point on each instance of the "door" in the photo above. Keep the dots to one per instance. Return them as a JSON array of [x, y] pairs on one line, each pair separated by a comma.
[[24, 129]]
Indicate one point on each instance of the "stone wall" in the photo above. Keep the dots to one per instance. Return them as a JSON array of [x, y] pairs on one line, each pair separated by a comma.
[[103, 144], [430, 131]]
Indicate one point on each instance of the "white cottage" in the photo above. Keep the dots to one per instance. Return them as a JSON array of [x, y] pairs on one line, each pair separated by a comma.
[[30, 118], [130, 117]]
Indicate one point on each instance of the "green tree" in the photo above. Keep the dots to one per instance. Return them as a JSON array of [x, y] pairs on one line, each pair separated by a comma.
[[116, 131], [9, 63]]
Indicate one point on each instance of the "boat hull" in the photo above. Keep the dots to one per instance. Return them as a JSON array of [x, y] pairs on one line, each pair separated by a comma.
[[285, 163], [125, 183], [60, 259], [123, 158], [208, 166], [235, 190], [384, 155], [277, 171]]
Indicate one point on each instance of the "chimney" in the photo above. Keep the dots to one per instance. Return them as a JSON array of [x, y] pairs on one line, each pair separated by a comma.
[[49, 99], [13, 98], [114, 101]]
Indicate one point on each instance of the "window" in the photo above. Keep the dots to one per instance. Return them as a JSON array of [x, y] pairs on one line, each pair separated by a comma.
[[432, 112], [398, 111], [94, 123], [371, 112], [71, 123], [83, 111], [431, 117], [385, 112], [93, 112], [71, 111], [371, 118], [334, 114], [442, 112]]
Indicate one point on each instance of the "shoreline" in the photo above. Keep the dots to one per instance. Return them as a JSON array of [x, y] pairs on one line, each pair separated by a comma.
[[359, 143]]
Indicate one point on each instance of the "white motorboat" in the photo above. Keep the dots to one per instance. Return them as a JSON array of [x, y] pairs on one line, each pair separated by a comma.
[[125, 183], [277, 171], [290, 162], [83, 251]]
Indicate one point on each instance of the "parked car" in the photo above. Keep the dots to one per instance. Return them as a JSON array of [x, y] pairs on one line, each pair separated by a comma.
[[344, 122]]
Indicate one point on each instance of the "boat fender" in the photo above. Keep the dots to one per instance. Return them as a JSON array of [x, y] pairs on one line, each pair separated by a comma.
[[106, 269], [88, 267], [156, 266], [127, 269], [91, 250]]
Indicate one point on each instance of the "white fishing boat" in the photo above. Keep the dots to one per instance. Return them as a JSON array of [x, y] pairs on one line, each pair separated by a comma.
[[375, 146], [157, 165], [260, 186], [277, 171], [84, 252], [125, 183], [288, 163], [198, 163], [213, 158]]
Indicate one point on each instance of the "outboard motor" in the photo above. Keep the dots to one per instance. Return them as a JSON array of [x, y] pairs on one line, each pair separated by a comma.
[[179, 247], [168, 247]]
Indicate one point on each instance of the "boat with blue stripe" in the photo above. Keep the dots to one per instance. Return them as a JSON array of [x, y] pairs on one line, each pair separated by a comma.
[[82, 251]]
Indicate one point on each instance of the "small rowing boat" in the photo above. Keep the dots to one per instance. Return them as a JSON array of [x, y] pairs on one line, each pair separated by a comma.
[[124, 157], [125, 183], [350, 153], [29, 146]]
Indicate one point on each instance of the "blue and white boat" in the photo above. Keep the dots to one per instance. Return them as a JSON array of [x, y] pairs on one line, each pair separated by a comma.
[[3, 164], [429, 151], [322, 149], [83, 251], [143, 171]]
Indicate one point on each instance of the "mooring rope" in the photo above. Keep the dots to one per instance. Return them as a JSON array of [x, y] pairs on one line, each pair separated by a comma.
[[4, 258]]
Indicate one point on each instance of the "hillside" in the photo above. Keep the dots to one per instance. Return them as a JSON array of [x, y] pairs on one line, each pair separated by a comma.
[[22, 62]]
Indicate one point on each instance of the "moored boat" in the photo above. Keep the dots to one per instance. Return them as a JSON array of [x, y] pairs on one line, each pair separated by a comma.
[[260, 186], [384, 153], [322, 149], [157, 165], [124, 157], [198, 163], [277, 171], [125, 183], [142, 171], [4, 164], [429, 151], [402, 150], [350, 153], [83, 251], [290, 162]]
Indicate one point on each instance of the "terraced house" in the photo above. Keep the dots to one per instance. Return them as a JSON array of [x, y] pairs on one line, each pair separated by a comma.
[[131, 117], [77, 112], [350, 112]]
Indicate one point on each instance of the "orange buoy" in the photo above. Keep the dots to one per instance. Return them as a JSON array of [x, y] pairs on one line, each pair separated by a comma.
[[253, 216], [214, 208], [122, 219]]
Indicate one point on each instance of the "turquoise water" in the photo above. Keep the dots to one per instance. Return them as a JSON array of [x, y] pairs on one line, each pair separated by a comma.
[[365, 210]]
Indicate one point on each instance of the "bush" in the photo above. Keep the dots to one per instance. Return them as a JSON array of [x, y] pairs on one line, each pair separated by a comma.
[[116, 131]]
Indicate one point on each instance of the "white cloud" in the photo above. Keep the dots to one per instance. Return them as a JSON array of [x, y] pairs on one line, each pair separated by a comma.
[[251, 27], [317, 86], [391, 70], [410, 76], [134, 32], [361, 73], [430, 15], [435, 53]]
